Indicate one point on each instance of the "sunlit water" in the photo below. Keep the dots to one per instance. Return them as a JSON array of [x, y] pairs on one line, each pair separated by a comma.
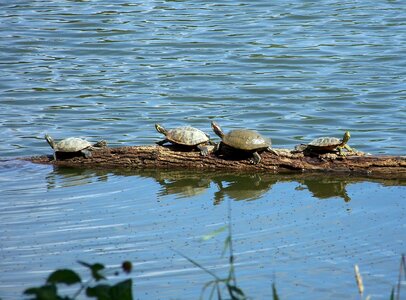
[[293, 70]]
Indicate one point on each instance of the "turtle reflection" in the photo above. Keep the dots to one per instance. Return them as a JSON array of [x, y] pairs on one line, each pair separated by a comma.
[[69, 177], [181, 183], [191, 183], [327, 187], [243, 186]]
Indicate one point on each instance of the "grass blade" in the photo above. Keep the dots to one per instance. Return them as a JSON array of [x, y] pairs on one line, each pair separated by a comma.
[[274, 293], [358, 279], [214, 233], [198, 265]]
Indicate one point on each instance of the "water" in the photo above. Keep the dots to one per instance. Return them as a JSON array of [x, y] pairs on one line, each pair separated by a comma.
[[293, 70]]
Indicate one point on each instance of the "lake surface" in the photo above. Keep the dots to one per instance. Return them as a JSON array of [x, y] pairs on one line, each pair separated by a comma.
[[293, 70]]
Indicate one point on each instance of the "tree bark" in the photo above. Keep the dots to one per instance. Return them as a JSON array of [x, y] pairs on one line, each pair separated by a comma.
[[160, 157]]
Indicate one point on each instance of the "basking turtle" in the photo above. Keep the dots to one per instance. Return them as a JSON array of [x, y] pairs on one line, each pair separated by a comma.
[[244, 140], [327, 144], [185, 136], [73, 146]]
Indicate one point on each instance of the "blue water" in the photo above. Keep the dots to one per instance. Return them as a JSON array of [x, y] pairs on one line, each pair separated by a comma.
[[293, 70]]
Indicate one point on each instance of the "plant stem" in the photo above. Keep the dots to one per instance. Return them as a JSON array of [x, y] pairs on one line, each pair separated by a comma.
[[402, 267], [231, 273]]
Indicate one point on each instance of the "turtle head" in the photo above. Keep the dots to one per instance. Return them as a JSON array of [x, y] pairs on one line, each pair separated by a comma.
[[217, 129], [346, 137], [160, 129], [50, 141]]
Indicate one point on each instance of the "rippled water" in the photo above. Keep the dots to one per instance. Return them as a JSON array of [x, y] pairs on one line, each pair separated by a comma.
[[293, 70], [303, 232]]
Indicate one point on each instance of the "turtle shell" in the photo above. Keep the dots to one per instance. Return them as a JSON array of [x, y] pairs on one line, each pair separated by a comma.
[[244, 139], [325, 143], [186, 135], [72, 145]]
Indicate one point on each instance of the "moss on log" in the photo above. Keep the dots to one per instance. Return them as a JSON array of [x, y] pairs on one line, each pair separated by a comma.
[[161, 157]]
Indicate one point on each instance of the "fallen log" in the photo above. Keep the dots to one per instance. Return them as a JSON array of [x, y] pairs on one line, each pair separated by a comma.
[[171, 157]]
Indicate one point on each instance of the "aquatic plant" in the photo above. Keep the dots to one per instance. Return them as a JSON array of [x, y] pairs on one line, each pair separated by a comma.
[[402, 269], [123, 289], [102, 291], [229, 282]]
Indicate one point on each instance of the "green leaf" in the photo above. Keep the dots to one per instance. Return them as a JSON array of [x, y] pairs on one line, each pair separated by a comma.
[[274, 293], [392, 294], [227, 244], [119, 291], [65, 276], [95, 269], [235, 292], [46, 292], [101, 292], [214, 233], [122, 290]]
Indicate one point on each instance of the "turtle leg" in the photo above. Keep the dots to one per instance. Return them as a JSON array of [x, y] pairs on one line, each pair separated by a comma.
[[86, 153], [256, 158], [54, 155], [349, 149], [217, 147], [269, 149], [160, 143], [212, 143], [203, 150], [340, 151]]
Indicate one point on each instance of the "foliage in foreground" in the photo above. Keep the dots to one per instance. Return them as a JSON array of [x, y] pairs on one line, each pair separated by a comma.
[[402, 269], [235, 292], [227, 284], [123, 290], [101, 291]]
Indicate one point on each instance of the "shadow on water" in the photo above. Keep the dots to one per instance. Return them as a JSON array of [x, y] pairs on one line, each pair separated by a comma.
[[236, 186]]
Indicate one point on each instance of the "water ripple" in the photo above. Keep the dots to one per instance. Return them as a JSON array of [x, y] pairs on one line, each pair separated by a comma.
[[260, 65], [292, 70]]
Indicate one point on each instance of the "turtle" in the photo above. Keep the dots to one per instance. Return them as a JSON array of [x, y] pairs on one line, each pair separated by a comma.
[[245, 140], [327, 144], [73, 145], [185, 136]]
